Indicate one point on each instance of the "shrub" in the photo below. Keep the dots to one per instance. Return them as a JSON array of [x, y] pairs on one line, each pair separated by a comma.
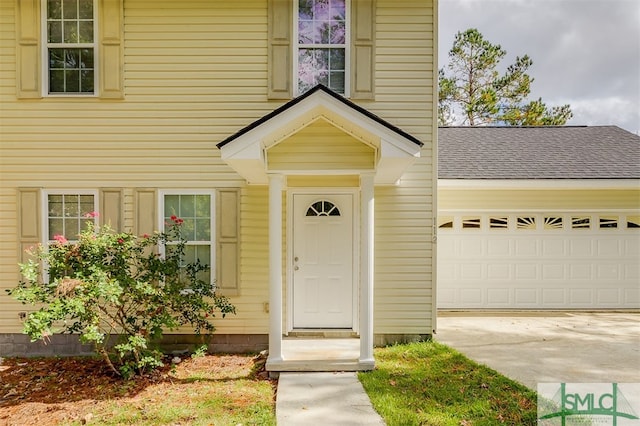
[[118, 293]]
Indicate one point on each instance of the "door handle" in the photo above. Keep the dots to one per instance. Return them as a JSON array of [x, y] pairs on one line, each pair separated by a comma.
[[295, 268]]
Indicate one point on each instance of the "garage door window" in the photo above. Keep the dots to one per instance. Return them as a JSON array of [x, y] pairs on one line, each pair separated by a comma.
[[608, 222], [471, 222], [498, 222], [580, 222], [553, 222], [526, 222], [445, 222]]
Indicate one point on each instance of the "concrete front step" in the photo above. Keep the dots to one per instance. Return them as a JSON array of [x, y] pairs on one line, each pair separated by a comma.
[[322, 334], [318, 365], [319, 354]]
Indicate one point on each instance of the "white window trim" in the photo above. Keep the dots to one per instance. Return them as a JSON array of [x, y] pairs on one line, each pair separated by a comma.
[[213, 242], [44, 216], [347, 49], [45, 55]]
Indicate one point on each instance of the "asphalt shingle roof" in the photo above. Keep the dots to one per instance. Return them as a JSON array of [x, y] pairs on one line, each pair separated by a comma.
[[554, 152]]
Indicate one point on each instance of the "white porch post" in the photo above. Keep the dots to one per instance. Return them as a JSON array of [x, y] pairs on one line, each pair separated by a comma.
[[275, 267], [366, 269]]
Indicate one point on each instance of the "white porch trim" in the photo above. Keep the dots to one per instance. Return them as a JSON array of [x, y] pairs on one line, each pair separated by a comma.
[[275, 268], [246, 153], [366, 268]]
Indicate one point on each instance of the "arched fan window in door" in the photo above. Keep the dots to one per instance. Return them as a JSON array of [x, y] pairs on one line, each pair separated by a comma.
[[323, 208]]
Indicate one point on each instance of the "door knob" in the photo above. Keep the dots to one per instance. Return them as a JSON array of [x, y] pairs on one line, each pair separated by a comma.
[[295, 259], [295, 268]]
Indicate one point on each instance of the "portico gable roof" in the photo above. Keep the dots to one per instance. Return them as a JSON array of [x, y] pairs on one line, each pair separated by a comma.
[[245, 150]]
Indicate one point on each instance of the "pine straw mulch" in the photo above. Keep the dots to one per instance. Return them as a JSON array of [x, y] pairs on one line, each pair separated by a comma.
[[52, 391]]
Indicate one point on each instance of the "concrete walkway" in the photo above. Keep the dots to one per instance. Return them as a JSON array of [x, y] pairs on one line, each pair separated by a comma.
[[323, 399], [550, 347]]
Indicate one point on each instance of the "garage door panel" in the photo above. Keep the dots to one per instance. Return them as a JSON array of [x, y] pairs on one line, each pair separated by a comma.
[[608, 296], [632, 296], [580, 271], [447, 247], [581, 247], [553, 272], [632, 273], [447, 296], [607, 271], [581, 297], [526, 297], [632, 246], [471, 272], [608, 247], [554, 296], [526, 247], [471, 247], [553, 248], [526, 271], [498, 296], [447, 272], [499, 272], [498, 247], [539, 267], [471, 296]]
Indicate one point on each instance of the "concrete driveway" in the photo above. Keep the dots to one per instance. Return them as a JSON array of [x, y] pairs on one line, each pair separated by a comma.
[[548, 347]]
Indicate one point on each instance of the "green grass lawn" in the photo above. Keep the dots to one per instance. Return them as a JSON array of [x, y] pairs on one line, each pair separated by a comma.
[[428, 383]]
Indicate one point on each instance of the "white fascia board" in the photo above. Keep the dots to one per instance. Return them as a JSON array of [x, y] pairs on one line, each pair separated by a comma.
[[539, 184], [319, 104]]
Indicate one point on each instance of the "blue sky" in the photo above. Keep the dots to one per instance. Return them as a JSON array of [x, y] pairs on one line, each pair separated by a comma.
[[585, 52]]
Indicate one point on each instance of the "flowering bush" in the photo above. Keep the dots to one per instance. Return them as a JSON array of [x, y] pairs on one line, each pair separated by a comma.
[[118, 294]]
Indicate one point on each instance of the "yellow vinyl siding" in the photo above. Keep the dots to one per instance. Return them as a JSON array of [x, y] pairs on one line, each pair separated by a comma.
[[10, 255], [405, 64], [403, 252], [321, 146], [405, 85], [323, 181], [7, 55], [548, 199], [195, 72]]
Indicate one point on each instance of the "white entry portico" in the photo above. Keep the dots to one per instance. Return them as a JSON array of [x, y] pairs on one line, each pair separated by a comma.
[[305, 151]]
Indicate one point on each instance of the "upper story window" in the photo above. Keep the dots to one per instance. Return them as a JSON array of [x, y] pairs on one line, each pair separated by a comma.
[[322, 40], [70, 48]]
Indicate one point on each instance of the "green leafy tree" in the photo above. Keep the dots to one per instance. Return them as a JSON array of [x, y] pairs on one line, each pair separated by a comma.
[[118, 293], [474, 93]]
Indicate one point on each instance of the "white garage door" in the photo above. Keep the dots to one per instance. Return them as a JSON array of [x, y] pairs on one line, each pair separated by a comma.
[[538, 261]]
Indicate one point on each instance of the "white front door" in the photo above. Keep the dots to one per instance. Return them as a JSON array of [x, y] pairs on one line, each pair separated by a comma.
[[322, 258]]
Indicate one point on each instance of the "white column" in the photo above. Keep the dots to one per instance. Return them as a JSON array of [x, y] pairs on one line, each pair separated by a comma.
[[366, 269], [275, 267]]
